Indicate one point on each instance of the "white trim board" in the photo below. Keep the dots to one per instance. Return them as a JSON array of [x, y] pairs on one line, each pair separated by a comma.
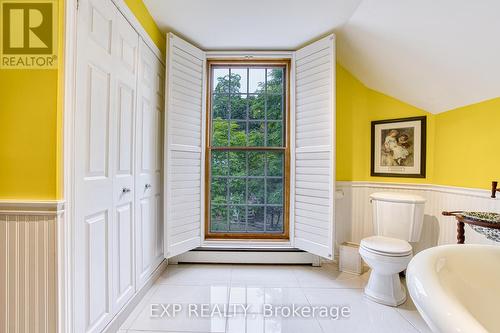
[[241, 243], [65, 244], [247, 257], [250, 55], [32, 206], [475, 192]]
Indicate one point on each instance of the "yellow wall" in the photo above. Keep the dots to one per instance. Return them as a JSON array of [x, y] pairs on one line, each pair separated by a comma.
[[357, 106], [462, 144], [467, 148], [28, 116], [31, 117], [461, 148]]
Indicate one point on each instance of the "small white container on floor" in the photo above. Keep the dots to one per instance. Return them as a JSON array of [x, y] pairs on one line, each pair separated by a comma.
[[350, 259]]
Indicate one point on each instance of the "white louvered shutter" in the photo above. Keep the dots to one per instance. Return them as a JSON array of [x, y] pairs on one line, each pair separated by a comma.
[[314, 162], [184, 153]]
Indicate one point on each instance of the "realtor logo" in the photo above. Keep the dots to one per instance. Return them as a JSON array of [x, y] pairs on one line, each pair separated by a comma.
[[28, 34]]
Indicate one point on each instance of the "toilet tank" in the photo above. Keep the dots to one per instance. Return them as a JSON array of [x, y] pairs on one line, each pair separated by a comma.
[[398, 215]]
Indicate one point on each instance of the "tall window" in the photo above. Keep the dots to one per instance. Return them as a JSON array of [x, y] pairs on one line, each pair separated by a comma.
[[247, 150]]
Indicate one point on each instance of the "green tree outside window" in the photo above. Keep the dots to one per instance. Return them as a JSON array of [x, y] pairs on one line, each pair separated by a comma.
[[247, 186]]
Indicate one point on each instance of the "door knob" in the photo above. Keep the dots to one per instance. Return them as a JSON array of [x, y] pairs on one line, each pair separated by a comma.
[[148, 186], [125, 190]]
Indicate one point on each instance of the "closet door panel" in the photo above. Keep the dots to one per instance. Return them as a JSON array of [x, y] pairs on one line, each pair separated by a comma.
[[158, 251], [145, 238], [125, 54], [124, 268], [97, 271], [149, 223], [158, 184], [144, 223], [93, 164], [105, 167]]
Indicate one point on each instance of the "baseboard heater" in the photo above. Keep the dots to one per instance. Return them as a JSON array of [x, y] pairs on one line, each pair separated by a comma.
[[285, 256]]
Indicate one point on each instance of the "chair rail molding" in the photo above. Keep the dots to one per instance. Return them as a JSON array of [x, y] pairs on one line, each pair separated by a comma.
[[475, 192], [29, 265], [35, 207]]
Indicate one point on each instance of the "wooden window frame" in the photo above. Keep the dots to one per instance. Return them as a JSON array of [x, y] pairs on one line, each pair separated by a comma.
[[285, 235]]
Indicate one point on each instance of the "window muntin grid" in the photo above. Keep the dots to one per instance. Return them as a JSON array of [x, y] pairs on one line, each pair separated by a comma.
[[247, 187]]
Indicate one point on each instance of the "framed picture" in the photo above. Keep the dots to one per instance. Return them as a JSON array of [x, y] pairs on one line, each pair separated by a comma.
[[398, 147]]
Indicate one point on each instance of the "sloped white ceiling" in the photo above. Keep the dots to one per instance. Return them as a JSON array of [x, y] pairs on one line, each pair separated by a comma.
[[434, 54]]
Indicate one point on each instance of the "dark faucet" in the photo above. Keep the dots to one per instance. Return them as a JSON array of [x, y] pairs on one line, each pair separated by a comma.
[[494, 189]]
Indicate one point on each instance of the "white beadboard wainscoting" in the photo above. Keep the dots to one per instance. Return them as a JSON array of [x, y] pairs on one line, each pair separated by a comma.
[[354, 211], [28, 265]]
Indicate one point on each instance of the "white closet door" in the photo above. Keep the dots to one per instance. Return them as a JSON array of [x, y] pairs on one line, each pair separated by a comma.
[[149, 219], [126, 51], [314, 162], [104, 122], [184, 151]]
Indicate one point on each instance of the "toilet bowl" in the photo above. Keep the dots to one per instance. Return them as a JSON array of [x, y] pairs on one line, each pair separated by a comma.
[[386, 257], [397, 220]]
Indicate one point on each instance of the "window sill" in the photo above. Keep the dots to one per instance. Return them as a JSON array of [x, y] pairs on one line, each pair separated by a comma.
[[239, 244]]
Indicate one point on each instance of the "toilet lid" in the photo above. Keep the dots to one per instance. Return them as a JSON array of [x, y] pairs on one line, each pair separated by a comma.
[[386, 245]]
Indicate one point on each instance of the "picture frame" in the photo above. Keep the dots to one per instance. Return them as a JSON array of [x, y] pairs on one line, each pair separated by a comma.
[[398, 147]]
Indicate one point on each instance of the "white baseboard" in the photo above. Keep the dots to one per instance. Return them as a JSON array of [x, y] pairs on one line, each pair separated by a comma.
[[246, 257], [125, 312]]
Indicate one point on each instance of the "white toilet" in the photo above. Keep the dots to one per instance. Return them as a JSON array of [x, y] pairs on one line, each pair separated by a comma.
[[397, 220]]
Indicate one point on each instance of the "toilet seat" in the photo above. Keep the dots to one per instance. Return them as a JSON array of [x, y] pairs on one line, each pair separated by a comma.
[[386, 246]]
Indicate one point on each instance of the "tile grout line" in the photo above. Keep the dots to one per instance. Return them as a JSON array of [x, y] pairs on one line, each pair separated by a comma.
[[409, 322], [226, 326], [229, 284], [302, 289]]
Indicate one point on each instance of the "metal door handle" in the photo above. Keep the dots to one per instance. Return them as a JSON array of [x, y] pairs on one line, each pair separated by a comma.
[[125, 190], [148, 186]]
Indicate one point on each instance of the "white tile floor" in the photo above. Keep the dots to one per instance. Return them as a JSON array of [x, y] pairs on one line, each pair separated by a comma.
[[231, 287]]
